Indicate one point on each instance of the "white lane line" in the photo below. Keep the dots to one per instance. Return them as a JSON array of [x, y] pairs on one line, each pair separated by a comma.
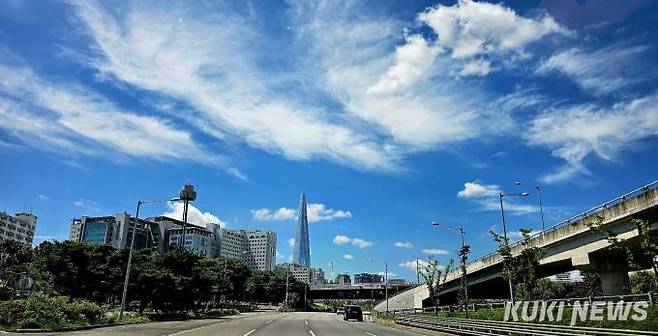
[[311, 332], [190, 330], [306, 322], [249, 333], [268, 322], [369, 333]]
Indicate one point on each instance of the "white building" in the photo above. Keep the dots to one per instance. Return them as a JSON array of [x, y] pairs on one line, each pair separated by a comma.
[[19, 228], [309, 275], [255, 248], [198, 239]]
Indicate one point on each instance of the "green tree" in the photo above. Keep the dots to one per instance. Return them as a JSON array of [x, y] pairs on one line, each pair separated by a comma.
[[642, 282], [15, 266], [432, 273], [522, 269]]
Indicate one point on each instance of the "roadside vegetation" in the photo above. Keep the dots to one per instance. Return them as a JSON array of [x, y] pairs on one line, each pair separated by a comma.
[[67, 284]]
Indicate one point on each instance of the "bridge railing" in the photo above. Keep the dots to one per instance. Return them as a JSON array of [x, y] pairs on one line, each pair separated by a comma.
[[498, 304], [592, 211]]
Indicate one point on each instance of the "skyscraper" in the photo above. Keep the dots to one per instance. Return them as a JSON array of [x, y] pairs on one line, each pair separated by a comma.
[[302, 254]]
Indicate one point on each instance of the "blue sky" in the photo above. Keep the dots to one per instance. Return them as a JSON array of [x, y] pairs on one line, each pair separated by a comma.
[[387, 114]]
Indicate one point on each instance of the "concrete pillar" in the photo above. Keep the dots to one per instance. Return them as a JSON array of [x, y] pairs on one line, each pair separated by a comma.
[[613, 272], [614, 282]]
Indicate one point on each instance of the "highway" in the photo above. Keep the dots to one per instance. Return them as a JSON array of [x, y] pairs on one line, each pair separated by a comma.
[[278, 324]]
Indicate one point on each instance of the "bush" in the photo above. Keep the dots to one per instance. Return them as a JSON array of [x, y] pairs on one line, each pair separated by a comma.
[[48, 312]]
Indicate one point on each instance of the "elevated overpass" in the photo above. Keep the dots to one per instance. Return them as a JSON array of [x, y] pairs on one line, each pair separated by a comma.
[[365, 291], [569, 245]]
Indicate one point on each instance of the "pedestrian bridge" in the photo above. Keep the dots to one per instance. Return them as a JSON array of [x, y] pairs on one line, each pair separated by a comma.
[[569, 245]]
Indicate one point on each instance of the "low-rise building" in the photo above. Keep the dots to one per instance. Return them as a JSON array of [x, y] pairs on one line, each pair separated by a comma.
[[396, 282], [368, 278], [20, 227], [343, 279]]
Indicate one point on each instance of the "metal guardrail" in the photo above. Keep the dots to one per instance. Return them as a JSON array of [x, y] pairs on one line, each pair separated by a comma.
[[645, 297], [460, 326], [592, 211]]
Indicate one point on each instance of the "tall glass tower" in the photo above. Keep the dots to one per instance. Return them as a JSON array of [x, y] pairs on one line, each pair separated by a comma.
[[301, 254]]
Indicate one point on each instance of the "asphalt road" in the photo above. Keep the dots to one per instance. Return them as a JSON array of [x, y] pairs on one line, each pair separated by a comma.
[[277, 324]]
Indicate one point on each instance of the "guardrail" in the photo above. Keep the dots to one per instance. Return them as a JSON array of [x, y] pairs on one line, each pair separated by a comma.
[[592, 211], [645, 297], [457, 326]]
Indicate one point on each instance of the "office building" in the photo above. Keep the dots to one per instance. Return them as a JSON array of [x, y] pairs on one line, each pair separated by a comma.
[[302, 251], [20, 227], [309, 275], [255, 248], [343, 279], [198, 239], [368, 278], [113, 230]]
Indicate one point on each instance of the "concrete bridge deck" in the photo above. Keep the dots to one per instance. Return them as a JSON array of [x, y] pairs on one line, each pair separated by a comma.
[[568, 245]]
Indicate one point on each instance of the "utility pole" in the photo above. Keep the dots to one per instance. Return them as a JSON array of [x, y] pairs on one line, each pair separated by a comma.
[[386, 283], [130, 258], [417, 272]]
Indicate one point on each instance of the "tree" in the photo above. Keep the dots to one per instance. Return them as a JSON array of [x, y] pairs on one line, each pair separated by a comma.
[[643, 282], [432, 272], [648, 249], [15, 266], [523, 269]]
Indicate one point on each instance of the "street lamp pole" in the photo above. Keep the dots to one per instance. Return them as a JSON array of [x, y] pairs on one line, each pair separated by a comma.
[[130, 252], [541, 209], [464, 250], [386, 283], [505, 240], [417, 272]]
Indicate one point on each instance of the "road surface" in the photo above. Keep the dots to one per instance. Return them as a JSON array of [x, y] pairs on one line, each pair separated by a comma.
[[277, 324]]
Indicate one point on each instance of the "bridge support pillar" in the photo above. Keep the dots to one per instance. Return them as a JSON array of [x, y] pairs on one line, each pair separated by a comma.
[[613, 272]]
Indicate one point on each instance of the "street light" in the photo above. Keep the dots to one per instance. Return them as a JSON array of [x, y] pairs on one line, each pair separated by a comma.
[[541, 208], [505, 241], [463, 254], [385, 280], [130, 251]]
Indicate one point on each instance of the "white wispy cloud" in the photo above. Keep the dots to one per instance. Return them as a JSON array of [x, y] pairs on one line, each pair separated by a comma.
[[358, 242], [194, 215], [70, 119], [316, 212], [342, 240], [486, 196], [291, 242], [411, 265], [87, 205], [573, 133], [435, 251], [189, 54], [237, 173], [476, 31], [348, 257], [477, 190], [406, 244], [600, 71]]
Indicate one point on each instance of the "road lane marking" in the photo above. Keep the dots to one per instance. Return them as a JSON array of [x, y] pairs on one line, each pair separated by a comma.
[[268, 322], [369, 333], [311, 332], [306, 322], [190, 330], [249, 333]]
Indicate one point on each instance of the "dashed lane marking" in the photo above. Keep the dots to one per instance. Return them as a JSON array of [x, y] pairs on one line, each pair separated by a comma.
[[268, 322], [249, 333], [369, 333], [311, 332]]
